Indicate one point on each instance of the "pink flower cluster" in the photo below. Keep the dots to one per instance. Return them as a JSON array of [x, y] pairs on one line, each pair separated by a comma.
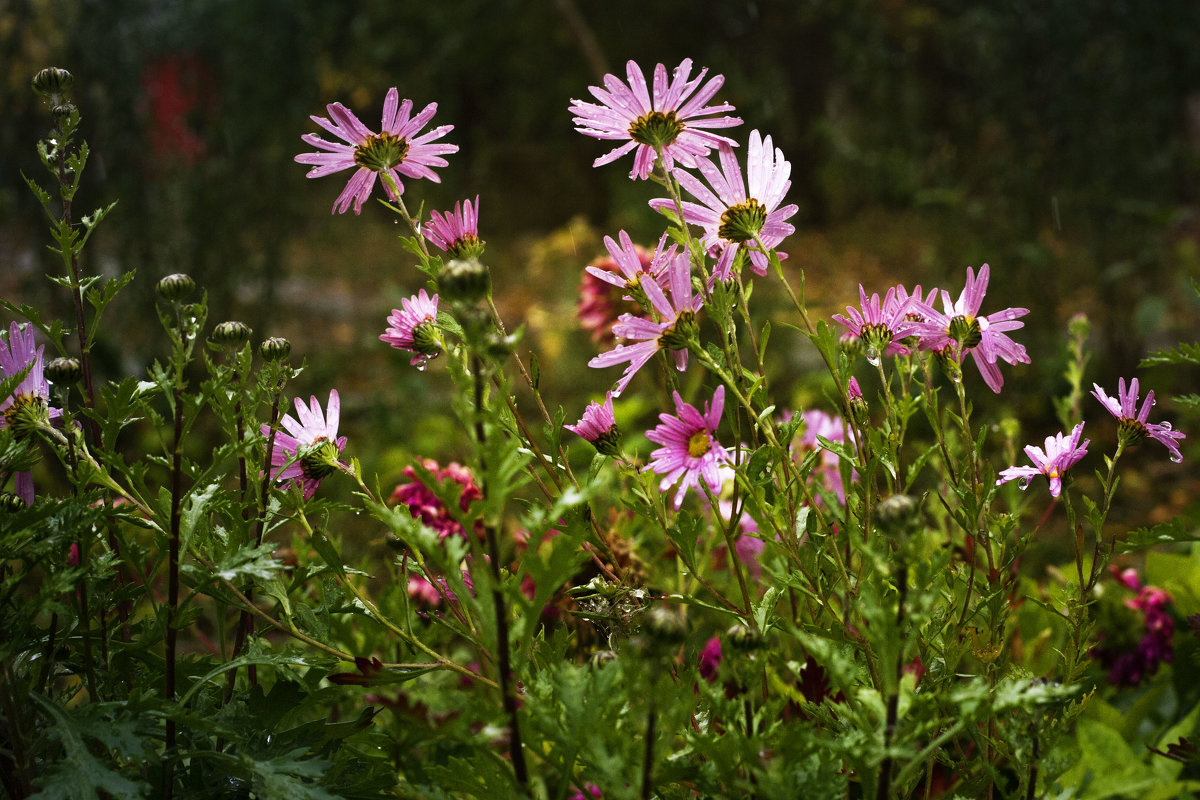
[[887, 327], [424, 505], [1130, 667]]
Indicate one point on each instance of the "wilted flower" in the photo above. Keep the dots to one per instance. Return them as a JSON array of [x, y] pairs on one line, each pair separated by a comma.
[[1061, 453], [1132, 425], [961, 329], [689, 451], [674, 329], [599, 426], [1129, 664], [414, 328], [424, 505], [644, 122], [456, 232], [733, 215], [397, 150], [308, 452]]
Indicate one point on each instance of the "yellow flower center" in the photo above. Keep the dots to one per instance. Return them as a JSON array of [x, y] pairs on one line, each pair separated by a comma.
[[698, 444], [741, 223], [656, 129]]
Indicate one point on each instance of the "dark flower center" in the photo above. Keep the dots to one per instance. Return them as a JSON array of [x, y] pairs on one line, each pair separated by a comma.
[[876, 336], [680, 334], [656, 129], [381, 151], [966, 331], [1130, 431], [27, 413], [743, 222], [698, 444], [466, 246]]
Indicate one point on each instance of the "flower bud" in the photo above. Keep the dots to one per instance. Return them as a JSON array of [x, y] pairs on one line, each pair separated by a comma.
[[742, 638], [175, 287], [464, 281], [64, 371], [10, 503], [1079, 326], [602, 657], [231, 333], [52, 82], [665, 625], [895, 515], [63, 110], [275, 349]]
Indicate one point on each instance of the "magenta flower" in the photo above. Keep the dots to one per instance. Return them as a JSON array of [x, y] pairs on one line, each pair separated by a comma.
[[27, 407], [308, 452], [1132, 426], [599, 426], [854, 391], [881, 325], [709, 660], [397, 150], [666, 120], [674, 328], [961, 329], [734, 214], [1061, 453], [689, 451], [456, 232], [414, 328], [426, 506]]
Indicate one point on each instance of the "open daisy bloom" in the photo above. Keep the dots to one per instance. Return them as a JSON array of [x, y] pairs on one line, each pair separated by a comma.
[[27, 408], [673, 329], [1131, 422], [308, 452], [671, 119], [689, 451], [961, 329], [1061, 453], [414, 328], [736, 211], [397, 150], [880, 325]]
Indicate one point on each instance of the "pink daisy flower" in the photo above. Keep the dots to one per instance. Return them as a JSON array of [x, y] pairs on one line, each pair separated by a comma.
[[426, 506], [631, 262], [1061, 453], [1131, 423], [28, 406], [733, 214], [961, 329], [599, 426], [820, 425], [689, 451], [397, 150], [456, 232], [672, 118], [882, 324], [414, 328], [308, 452], [675, 327]]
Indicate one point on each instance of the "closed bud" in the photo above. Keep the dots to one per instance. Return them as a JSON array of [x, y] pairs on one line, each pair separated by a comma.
[[64, 371], [10, 502], [52, 82], [1079, 326], [175, 287], [742, 638], [231, 333], [602, 657], [464, 281], [665, 625], [275, 349], [896, 514], [63, 110]]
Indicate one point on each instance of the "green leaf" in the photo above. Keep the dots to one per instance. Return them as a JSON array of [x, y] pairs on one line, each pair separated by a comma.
[[79, 775], [1173, 530]]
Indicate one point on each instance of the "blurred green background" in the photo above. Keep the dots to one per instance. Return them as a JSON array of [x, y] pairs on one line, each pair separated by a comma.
[[1058, 140]]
